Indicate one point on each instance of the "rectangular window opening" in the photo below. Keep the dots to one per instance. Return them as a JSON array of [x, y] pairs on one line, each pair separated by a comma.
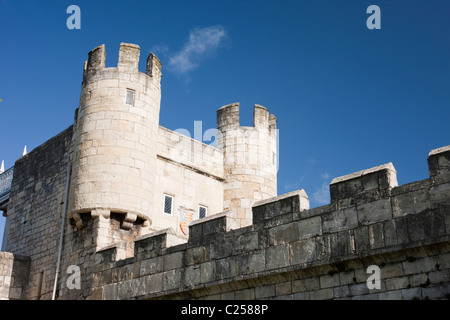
[[130, 97], [202, 212], [168, 200]]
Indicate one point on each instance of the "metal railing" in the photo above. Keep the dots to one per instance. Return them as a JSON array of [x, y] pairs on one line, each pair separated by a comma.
[[5, 181]]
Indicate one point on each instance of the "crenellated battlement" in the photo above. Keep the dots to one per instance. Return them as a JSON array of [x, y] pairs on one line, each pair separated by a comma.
[[128, 63], [319, 253], [129, 203], [115, 138], [250, 159], [228, 117]]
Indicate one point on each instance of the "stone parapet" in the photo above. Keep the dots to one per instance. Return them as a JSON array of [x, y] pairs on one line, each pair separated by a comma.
[[293, 252]]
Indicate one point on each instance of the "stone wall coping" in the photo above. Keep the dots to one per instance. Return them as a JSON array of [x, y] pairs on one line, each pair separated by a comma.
[[439, 150], [301, 193], [156, 233], [111, 246], [211, 217], [388, 166]]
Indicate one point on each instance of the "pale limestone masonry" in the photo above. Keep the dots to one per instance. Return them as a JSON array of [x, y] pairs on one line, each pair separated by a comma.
[[250, 159], [114, 142], [120, 163], [92, 197]]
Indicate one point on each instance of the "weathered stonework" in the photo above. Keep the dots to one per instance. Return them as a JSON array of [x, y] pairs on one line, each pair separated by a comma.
[[250, 159], [292, 252], [92, 198]]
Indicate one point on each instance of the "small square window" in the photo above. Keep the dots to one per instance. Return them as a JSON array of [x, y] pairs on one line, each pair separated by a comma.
[[130, 97], [202, 211], [168, 200]]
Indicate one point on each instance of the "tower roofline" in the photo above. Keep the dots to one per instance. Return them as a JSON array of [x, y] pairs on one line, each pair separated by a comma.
[[128, 61]]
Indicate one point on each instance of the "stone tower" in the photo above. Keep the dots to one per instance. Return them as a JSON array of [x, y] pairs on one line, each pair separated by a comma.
[[115, 138], [250, 159]]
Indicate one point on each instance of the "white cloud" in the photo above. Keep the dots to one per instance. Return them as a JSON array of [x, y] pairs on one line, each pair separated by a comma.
[[161, 50], [202, 42], [322, 194], [325, 176]]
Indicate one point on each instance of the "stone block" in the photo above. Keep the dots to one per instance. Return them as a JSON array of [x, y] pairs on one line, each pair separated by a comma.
[[106, 254], [220, 249], [436, 292], [412, 294], [252, 262], [283, 288], [225, 268], [307, 284], [439, 276], [138, 287], [322, 294], [151, 266], [358, 289], [392, 271], [439, 161], [440, 195], [309, 227], [410, 203], [173, 260], [277, 256], [245, 242], [207, 271], [416, 266], [341, 292], [265, 291], [150, 242], [376, 178], [425, 226], [340, 220], [196, 255], [376, 236], [327, 281], [192, 276], [246, 294], [417, 280], [391, 295], [374, 211], [171, 279], [401, 228], [283, 234], [124, 289], [295, 201], [303, 251], [444, 261], [346, 277], [397, 283], [389, 232], [154, 283], [362, 243], [209, 227], [110, 292]]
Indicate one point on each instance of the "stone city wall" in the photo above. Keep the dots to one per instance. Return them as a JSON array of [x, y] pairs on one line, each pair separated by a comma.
[[35, 209], [292, 252]]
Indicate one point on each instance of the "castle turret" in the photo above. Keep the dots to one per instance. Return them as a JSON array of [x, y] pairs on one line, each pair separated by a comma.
[[115, 138], [250, 159]]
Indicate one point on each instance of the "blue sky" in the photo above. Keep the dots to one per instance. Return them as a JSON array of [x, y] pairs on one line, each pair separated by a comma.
[[347, 98]]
